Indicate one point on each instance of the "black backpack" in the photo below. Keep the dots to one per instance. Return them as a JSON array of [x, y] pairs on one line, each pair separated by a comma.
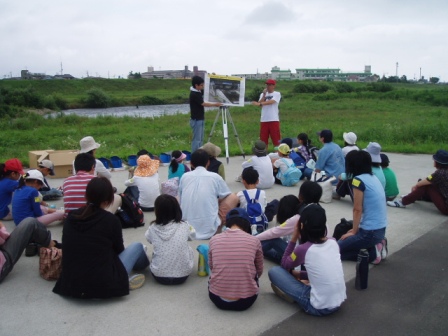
[[342, 228], [129, 213]]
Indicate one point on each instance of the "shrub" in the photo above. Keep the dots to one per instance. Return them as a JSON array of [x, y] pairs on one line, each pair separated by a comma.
[[254, 94], [343, 87], [97, 98], [311, 87], [149, 100], [379, 87]]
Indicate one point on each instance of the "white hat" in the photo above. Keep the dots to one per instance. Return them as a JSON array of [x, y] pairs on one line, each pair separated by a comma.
[[34, 174], [47, 164], [374, 149], [87, 144], [350, 138]]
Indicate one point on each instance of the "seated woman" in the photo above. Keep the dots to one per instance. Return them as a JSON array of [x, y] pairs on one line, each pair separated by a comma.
[[146, 178], [177, 168], [172, 258], [12, 245], [236, 262], [26, 201], [95, 262], [324, 290], [288, 215], [369, 211]]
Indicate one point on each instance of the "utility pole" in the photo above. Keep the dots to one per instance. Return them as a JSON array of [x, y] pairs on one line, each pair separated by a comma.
[[62, 70], [396, 70]]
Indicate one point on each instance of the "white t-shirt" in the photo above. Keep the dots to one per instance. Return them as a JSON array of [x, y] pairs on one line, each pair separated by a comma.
[[148, 188], [251, 193], [283, 164], [270, 112], [348, 149], [263, 165]]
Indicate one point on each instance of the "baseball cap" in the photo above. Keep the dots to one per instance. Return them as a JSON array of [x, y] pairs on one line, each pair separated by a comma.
[[14, 165], [34, 174], [326, 134], [284, 149], [47, 164], [271, 81]]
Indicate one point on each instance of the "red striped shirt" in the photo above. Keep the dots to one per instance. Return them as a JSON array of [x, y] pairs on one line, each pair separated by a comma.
[[74, 188], [236, 261]]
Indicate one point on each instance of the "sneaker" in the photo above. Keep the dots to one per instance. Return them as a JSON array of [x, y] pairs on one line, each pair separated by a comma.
[[239, 179], [378, 248], [396, 204], [384, 251], [282, 294], [31, 250], [136, 281]]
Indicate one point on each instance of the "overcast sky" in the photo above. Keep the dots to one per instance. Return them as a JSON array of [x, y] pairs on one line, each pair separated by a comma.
[[113, 37]]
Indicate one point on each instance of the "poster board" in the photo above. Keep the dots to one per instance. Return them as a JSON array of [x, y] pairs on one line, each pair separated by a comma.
[[228, 90]]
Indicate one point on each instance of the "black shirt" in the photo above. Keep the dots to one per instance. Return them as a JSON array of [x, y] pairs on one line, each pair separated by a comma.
[[196, 108]]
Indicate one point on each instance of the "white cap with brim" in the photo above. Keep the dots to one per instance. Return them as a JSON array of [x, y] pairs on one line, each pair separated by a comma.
[[34, 174], [87, 144], [47, 164]]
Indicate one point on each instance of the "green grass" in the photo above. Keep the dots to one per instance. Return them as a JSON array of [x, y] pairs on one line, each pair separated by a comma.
[[396, 119]]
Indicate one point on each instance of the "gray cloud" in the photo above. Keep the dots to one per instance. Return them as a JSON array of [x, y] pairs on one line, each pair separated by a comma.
[[272, 13]]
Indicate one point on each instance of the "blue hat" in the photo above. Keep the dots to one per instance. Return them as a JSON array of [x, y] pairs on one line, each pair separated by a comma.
[[441, 156], [237, 213]]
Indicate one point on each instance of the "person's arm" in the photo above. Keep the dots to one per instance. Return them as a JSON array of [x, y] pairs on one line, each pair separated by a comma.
[[208, 104], [259, 260], [282, 230], [148, 234], [130, 182], [117, 235], [421, 183], [221, 171], [358, 198], [4, 234], [101, 170]]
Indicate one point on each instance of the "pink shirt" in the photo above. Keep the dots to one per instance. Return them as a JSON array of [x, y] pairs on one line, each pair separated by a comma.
[[74, 188], [285, 229], [236, 260]]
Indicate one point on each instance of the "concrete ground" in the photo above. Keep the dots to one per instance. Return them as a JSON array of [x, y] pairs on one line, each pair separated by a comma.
[[28, 306]]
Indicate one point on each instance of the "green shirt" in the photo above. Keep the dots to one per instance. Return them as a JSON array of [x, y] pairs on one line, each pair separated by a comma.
[[391, 182]]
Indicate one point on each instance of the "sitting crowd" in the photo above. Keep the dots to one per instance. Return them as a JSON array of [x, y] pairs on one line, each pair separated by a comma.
[[200, 205]]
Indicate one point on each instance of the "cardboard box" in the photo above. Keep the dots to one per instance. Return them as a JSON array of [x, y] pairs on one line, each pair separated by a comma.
[[62, 160]]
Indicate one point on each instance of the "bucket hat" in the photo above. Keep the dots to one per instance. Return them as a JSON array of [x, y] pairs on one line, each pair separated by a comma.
[[441, 156], [87, 144]]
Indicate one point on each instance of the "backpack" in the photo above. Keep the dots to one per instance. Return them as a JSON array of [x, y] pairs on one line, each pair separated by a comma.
[[298, 159], [129, 213], [291, 176], [255, 212], [342, 228], [314, 152]]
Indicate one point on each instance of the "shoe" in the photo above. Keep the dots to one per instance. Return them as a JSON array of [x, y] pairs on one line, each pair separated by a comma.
[[239, 179], [136, 281], [396, 204], [378, 248], [282, 294], [31, 250], [336, 196], [384, 251]]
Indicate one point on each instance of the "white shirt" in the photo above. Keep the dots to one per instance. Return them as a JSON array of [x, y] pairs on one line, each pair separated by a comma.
[[283, 164], [270, 112], [263, 166], [148, 188], [199, 191], [251, 193]]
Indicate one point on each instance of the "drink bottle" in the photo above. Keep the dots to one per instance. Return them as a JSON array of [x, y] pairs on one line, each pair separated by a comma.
[[362, 270]]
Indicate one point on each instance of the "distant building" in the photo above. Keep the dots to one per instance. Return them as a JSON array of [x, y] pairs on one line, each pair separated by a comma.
[[278, 74], [25, 74], [173, 74], [334, 74]]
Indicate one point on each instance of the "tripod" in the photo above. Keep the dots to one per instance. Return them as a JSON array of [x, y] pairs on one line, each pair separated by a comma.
[[225, 113]]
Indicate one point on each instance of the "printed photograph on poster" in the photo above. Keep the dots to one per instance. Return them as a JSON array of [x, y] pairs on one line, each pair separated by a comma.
[[228, 90]]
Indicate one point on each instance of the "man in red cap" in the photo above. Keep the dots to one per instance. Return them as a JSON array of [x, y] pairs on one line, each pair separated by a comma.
[[269, 122]]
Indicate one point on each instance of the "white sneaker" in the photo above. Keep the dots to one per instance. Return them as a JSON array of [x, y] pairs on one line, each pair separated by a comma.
[[396, 204], [136, 281], [384, 250]]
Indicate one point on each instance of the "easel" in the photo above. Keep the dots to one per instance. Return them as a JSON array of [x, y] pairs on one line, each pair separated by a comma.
[[225, 113]]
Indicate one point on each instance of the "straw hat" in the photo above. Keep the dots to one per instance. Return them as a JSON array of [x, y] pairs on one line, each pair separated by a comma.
[[211, 149], [146, 167]]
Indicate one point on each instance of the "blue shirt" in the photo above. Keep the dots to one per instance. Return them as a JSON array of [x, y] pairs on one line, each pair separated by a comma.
[[26, 203], [331, 160], [378, 172], [7, 187], [374, 212], [179, 172]]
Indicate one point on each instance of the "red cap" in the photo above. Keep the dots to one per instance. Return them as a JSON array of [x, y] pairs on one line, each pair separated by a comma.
[[14, 165], [270, 81]]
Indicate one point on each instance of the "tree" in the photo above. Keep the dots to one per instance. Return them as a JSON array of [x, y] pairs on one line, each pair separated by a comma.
[[403, 79], [434, 80]]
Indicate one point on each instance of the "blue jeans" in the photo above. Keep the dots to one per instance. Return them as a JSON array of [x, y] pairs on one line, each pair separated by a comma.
[[307, 172], [134, 257], [198, 134], [363, 239], [297, 290], [274, 249]]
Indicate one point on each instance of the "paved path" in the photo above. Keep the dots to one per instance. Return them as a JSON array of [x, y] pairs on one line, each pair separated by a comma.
[[28, 306]]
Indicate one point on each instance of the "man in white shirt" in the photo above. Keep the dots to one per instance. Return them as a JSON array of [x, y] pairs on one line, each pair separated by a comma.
[[204, 197], [270, 121]]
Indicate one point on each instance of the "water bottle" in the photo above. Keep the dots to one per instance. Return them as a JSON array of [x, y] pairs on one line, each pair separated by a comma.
[[362, 270], [201, 266]]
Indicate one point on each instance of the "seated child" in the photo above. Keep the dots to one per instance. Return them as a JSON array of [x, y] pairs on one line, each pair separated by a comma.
[[10, 173], [146, 178], [320, 255], [46, 167], [26, 201], [391, 179], [172, 258], [214, 165], [262, 164], [281, 165], [177, 168], [349, 143], [288, 215], [268, 211], [231, 286]]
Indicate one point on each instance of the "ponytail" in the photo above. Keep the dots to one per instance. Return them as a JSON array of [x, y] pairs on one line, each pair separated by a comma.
[[174, 165]]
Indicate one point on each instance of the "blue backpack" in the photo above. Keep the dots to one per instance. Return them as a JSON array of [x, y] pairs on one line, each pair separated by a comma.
[[298, 159], [291, 176], [255, 212]]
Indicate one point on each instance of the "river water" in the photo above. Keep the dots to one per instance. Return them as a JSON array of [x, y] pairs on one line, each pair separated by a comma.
[[148, 111]]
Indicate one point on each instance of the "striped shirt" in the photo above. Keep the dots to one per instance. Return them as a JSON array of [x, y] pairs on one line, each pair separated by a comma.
[[74, 188], [236, 262]]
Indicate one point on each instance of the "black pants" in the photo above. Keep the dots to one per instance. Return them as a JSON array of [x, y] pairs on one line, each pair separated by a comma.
[[239, 305], [170, 281]]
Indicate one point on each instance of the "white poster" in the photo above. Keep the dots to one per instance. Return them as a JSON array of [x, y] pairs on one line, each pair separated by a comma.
[[228, 90]]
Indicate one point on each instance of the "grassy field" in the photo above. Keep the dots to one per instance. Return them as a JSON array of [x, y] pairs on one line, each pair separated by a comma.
[[408, 119]]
